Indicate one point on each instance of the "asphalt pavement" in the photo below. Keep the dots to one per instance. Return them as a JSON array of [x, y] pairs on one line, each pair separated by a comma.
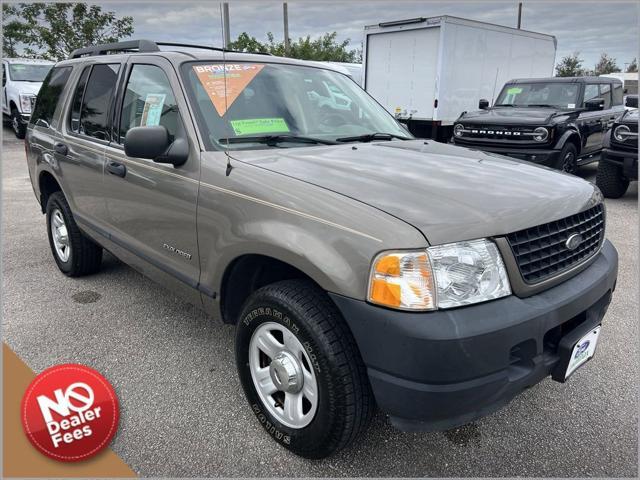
[[183, 412]]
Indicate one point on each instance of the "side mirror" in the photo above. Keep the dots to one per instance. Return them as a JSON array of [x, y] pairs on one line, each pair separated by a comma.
[[594, 104], [483, 104], [631, 102], [152, 142]]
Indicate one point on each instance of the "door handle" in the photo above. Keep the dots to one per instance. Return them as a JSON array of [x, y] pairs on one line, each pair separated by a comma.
[[115, 168], [60, 148]]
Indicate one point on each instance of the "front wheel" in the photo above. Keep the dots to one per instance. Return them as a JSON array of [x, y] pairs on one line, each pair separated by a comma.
[[611, 180], [568, 159], [17, 125], [301, 370]]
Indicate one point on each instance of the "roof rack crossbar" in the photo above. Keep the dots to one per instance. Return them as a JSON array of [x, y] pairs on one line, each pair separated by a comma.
[[140, 46]]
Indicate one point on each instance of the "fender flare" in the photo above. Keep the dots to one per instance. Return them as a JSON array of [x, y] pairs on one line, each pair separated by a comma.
[[569, 133]]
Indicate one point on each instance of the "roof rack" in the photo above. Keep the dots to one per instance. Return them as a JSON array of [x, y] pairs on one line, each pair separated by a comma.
[[140, 46]]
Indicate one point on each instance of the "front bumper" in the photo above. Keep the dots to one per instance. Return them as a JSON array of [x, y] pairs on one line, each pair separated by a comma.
[[628, 160], [438, 370], [540, 156]]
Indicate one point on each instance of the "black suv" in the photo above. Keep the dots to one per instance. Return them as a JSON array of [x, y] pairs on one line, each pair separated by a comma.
[[619, 159], [558, 122]]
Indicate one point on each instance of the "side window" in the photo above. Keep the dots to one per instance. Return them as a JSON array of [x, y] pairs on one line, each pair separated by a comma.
[[4, 74], [617, 94], [590, 92], [149, 100], [94, 113], [74, 118], [605, 92], [49, 95]]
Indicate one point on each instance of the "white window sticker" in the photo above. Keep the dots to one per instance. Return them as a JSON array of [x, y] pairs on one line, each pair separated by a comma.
[[152, 109], [571, 105]]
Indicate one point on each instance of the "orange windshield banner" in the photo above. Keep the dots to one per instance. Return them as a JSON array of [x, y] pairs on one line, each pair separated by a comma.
[[238, 76]]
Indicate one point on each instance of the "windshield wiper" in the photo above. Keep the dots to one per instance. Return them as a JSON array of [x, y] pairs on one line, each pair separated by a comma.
[[273, 139], [543, 105], [370, 137], [505, 105]]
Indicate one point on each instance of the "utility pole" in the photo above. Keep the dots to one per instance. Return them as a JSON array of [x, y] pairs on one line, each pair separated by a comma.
[[519, 15], [225, 24], [285, 15]]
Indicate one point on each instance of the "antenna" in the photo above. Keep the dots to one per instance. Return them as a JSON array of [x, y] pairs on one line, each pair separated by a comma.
[[224, 12]]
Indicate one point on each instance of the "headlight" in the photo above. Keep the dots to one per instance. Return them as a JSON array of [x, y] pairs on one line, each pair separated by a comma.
[[443, 276], [541, 134], [468, 272], [458, 129], [622, 133], [25, 103]]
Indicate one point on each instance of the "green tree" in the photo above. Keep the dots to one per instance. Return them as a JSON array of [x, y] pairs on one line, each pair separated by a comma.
[[633, 66], [570, 66], [323, 48], [245, 43], [54, 30], [606, 64]]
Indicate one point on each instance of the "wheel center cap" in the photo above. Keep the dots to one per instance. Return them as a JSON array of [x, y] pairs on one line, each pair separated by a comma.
[[286, 372]]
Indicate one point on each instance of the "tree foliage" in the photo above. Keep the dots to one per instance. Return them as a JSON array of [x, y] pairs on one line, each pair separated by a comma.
[[323, 48], [606, 64], [633, 66], [54, 30], [570, 66]]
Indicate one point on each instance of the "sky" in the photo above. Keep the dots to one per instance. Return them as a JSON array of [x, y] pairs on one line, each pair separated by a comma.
[[588, 27]]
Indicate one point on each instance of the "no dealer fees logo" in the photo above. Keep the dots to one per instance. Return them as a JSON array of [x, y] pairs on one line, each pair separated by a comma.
[[70, 412]]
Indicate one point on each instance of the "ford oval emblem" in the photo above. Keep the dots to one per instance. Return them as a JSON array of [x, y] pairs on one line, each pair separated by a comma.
[[573, 241]]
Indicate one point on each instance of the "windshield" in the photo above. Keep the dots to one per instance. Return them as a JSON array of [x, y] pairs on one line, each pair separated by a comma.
[[261, 99], [552, 94], [28, 72]]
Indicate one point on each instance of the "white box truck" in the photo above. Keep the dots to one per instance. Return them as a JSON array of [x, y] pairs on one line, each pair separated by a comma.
[[427, 71]]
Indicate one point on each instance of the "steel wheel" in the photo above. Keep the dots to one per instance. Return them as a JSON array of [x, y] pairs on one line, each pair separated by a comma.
[[60, 235], [282, 375]]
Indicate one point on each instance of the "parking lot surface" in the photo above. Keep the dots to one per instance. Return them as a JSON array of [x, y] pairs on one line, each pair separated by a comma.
[[183, 412]]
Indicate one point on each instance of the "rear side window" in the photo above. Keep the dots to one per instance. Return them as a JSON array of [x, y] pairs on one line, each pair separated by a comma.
[[49, 96], [74, 119], [617, 94], [96, 101], [149, 100]]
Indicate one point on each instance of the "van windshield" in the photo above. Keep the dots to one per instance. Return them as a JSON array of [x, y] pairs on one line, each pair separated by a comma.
[[28, 72], [287, 102], [539, 94]]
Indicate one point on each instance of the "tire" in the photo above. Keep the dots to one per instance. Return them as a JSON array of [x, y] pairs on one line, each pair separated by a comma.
[[568, 159], [344, 402], [610, 180], [18, 127], [81, 256]]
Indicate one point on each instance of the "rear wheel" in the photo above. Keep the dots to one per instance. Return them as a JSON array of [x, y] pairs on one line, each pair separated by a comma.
[[568, 159], [75, 254], [611, 180], [301, 370], [17, 125]]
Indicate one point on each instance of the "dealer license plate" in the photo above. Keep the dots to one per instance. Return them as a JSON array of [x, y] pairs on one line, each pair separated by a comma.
[[582, 351]]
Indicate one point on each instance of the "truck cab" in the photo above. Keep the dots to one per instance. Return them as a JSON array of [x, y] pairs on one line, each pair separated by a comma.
[[557, 122], [21, 81]]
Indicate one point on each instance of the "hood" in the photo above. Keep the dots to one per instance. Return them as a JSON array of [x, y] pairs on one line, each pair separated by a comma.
[[511, 116], [449, 193], [27, 88]]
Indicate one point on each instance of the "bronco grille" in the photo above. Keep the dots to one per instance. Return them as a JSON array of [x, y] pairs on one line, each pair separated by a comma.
[[545, 251]]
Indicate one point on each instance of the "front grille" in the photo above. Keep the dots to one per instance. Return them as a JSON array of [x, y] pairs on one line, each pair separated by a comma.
[[498, 132], [541, 252]]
